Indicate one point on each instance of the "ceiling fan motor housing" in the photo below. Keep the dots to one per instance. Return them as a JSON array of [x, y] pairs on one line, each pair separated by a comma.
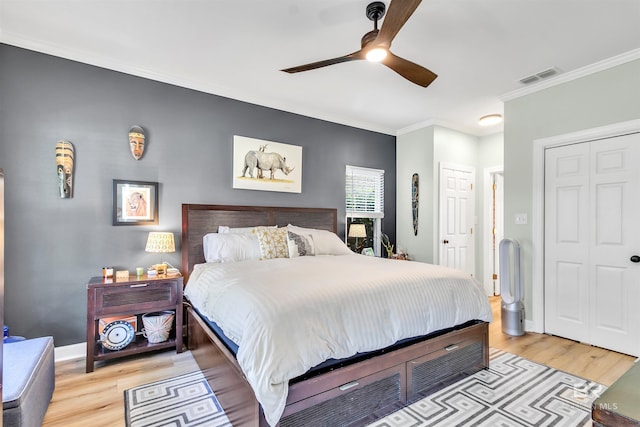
[[369, 37], [375, 10]]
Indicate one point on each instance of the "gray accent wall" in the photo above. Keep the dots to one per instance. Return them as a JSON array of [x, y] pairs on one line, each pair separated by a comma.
[[53, 245]]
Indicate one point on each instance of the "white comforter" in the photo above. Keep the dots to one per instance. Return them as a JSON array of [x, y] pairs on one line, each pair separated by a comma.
[[288, 315]]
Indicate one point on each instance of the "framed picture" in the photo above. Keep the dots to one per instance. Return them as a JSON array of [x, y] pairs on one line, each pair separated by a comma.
[[266, 165], [135, 202], [368, 252]]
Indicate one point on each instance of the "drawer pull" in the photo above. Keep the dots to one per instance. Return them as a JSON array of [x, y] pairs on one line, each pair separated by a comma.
[[347, 386], [139, 285], [451, 347]]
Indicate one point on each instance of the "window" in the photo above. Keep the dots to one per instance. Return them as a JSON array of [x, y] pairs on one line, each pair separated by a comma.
[[364, 197]]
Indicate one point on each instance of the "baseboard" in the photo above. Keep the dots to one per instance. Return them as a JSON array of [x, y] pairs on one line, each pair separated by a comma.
[[70, 352], [531, 326]]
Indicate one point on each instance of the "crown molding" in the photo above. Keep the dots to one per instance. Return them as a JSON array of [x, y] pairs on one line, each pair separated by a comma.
[[442, 123], [416, 126], [436, 122], [605, 64]]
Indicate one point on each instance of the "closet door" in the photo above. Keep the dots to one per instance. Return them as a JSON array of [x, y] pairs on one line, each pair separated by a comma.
[[566, 303], [592, 231], [615, 237]]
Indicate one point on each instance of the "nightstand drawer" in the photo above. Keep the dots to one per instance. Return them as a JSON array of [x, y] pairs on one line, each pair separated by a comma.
[[150, 296]]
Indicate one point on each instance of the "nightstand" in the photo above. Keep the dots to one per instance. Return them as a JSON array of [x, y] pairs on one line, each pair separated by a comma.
[[108, 298]]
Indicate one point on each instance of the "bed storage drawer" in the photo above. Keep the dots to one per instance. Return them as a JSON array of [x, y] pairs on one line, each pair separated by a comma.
[[456, 358], [352, 402]]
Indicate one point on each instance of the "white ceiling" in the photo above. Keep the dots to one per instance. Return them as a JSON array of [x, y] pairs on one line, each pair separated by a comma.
[[479, 48]]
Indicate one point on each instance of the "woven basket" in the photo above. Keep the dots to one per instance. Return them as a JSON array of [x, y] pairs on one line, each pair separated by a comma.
[[157, 325]]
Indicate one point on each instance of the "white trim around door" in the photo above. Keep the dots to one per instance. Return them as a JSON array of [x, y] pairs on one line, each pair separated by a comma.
[[489, 251]]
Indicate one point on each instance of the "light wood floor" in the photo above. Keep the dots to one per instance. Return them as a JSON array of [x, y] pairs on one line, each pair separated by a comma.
[[96, 399]]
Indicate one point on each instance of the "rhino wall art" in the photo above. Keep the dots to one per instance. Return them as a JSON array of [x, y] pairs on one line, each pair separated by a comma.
[[266, 165]]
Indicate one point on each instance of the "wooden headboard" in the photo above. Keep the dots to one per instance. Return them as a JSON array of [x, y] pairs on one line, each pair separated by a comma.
[[198, 220]]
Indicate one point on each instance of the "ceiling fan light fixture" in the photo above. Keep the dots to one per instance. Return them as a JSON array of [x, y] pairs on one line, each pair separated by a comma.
[[490, 120], [376, 54], [375, 44]]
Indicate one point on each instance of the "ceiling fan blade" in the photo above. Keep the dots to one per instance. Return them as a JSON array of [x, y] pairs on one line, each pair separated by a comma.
[[398, 13], [410, 71], [312, 66]]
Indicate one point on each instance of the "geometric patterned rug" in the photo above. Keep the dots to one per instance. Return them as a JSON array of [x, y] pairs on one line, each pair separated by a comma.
[[186, 400], [512, 392]]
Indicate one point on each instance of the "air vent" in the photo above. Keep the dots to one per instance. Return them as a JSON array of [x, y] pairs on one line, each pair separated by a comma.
[[529, 79], [549, 72]]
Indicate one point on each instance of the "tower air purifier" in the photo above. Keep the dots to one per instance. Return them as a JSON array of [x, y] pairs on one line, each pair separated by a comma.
[[512, 307]]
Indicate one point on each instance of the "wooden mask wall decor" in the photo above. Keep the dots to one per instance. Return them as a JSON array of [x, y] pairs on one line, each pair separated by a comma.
[[136, 141], [64, 163], [415, 199]]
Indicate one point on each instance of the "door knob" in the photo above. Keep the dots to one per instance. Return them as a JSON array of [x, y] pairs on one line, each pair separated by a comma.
[[446, 242], [635, 258]]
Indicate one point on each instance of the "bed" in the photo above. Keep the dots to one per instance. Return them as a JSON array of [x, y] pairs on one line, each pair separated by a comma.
[[353, 390]]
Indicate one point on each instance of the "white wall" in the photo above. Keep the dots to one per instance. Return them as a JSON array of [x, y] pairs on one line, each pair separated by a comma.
[[490, 155], [414, 154], [603, 98], [422, 151], [461, 149], [491, 150]]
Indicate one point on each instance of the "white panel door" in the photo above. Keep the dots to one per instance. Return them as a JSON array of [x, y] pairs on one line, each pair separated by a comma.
[[566, 302], [457, 214], [615, 213], [592, 206]]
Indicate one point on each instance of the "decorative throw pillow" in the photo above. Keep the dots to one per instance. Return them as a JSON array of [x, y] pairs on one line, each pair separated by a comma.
[[300, 245], [324, 242], [273, 242]]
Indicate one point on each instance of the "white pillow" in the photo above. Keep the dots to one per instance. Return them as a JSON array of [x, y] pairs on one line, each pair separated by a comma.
[[225, 229], [300, 244], [325, 242], [230, 247]]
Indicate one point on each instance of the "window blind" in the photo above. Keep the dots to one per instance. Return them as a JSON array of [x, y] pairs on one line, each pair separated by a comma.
[[364, 192]]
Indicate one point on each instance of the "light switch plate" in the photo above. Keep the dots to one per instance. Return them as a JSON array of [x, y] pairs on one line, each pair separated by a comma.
[[521, 219]]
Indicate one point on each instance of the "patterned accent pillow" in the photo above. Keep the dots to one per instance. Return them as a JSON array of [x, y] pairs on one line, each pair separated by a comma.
[[273, 242], [300, 245]]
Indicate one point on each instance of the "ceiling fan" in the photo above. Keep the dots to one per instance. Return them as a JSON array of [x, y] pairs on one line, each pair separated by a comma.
[[376, 43]]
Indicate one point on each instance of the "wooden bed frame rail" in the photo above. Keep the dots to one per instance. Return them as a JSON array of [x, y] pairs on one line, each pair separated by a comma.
[[233, 391]]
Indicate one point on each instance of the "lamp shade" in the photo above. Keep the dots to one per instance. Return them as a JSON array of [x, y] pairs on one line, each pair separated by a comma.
[[160, 242], [357, 230]]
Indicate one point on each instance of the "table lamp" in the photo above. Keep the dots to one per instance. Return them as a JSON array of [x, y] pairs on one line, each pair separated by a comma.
[[357, 231], [160, 242]]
